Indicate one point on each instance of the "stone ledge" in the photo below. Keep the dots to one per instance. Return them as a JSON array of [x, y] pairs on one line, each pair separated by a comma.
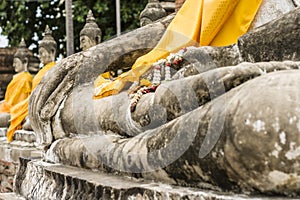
[[26, 136], [10, 196], [40, 180], [12, 151]]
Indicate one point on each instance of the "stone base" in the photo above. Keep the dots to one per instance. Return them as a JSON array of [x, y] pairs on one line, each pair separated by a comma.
[[26, 136], [10, 196], [7, 173], [11, 152], [9, 159], [40, 180]]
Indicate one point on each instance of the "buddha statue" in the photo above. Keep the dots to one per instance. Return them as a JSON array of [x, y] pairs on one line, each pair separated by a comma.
[[20, 86], [91, 34], [227, 118], [152, 12], [47, 55]]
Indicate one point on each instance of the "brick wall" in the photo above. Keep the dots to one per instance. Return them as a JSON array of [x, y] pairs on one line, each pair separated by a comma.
[[7, 173]]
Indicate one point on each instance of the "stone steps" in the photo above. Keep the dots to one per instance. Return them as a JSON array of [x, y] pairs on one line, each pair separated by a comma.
[[26, 136], [40, 180]]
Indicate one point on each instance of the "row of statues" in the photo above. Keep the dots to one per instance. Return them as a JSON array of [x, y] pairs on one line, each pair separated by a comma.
[[232, 123], [14, 108], [90, 36], [224, 117]]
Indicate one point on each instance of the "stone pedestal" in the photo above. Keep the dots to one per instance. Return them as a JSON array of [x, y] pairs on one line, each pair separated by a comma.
[[40, 180], [10, 153]]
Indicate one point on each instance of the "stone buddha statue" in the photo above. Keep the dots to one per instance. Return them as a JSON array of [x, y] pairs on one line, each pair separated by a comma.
[[47, 55], [20, 86], [152, 12], [91, 34], [228, 118]]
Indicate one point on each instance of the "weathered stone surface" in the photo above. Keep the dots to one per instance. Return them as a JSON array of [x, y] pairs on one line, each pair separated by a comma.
[[217, 144], [115, 109], [282, 42], [4, 119], [9, 159], [219, 135], [23, 135], [296, 2], [7, 172], [171, 101], [81, 69], [11, 152], [3, 132], [270, 10], [63, 182], [10, 196], [168, 6], [27, 126]]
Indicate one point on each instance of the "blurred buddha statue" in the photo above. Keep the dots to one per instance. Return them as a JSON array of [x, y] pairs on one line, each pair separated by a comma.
[[47, 54], [152, 12], [19, 87], [91, 34]]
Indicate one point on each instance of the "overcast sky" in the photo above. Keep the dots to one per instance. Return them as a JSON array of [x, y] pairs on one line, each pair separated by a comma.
[[3, 39]]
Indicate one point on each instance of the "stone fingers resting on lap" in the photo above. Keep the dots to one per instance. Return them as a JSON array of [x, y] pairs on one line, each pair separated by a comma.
[[232, 124]]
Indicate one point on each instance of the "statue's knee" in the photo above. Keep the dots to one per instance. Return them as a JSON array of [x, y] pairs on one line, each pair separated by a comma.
[[27, 125], [4, 119]]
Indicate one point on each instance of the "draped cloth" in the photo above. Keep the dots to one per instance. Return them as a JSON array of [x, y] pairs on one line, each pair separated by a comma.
[[17, 90], [198, 22], [20, 110]]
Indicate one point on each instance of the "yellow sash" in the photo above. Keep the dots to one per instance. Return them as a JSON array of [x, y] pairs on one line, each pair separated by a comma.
[[17, 90], [20, 111], [198, 22]]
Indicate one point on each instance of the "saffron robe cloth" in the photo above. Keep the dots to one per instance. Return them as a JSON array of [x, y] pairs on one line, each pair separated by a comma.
[[20, 111], [17, 90], [198, 22]]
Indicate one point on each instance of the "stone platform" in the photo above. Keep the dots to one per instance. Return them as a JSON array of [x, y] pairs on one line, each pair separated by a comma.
[[40, 180], [10, 196], [23, 146]]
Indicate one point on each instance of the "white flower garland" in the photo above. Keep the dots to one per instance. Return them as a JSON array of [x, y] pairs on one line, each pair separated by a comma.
[[161, 68]]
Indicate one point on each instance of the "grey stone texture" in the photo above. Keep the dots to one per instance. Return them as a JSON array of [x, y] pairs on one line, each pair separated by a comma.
[[7, 172], [9, 160], [4, 119], [81, 69], [152, 12], [229, 122], [10, 196], [52, 181]]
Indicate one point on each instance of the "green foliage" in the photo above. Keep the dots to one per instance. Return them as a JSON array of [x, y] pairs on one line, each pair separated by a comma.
[[28, 19]]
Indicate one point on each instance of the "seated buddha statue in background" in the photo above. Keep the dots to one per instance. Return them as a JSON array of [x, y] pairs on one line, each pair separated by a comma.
[[47, 55], [19, 87], [91, 34], [240, 135]]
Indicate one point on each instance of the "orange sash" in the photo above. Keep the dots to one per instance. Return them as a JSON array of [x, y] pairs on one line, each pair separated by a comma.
[[198, 22]]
